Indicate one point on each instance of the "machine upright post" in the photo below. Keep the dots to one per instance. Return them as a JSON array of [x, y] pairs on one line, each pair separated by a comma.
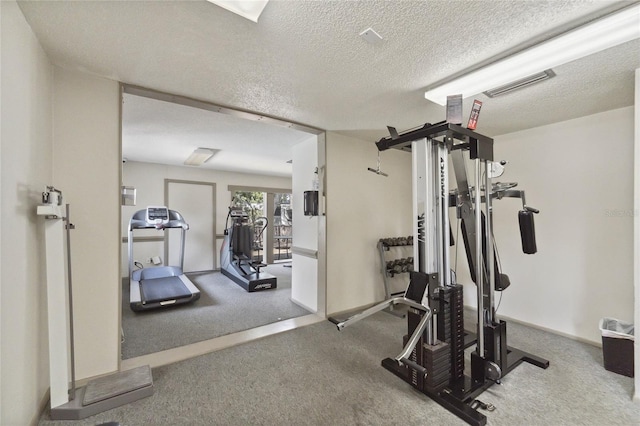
[[443, 159], [489, 243], [182, 243], [426, 215], [130, 249], [69, 227], [479, 262]]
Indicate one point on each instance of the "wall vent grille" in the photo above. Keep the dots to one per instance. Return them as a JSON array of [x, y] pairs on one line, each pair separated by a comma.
[[520, 84]]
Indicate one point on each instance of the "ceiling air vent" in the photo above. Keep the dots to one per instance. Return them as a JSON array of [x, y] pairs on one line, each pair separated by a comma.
[[519, 84]]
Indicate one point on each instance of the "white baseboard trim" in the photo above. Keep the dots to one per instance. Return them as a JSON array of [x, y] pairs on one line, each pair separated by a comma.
[[469, 309], [303, 306]]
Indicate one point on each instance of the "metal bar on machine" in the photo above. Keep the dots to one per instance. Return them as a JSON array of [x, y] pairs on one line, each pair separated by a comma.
[[488, 219], [431, 252], [479, 274], [456, 131], [183, 231], [69, 227], [418, 221], [403, 357], [425, 208], [400, 300], [444, 208], [439, 213]]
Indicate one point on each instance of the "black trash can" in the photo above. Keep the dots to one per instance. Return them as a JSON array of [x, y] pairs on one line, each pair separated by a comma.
[[617, 346]]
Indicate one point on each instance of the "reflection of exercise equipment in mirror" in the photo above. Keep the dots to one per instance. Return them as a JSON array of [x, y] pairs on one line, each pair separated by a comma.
[[236, 253], [433, 356], [159, 286]]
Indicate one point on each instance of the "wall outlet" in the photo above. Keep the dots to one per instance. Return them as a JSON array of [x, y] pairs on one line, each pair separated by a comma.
[[149, 260]]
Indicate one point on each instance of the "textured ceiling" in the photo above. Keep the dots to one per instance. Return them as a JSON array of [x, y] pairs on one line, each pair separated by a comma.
[[166, 133], [304, 61]]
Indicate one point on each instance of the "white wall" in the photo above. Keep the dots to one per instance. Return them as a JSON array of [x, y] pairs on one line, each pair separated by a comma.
[[148, 179], [304, 275], [579, 173], [25, 153], [86, 168], [362, 207]]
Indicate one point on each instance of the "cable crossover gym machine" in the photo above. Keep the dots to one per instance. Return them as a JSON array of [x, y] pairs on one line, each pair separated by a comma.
[[433, 357]]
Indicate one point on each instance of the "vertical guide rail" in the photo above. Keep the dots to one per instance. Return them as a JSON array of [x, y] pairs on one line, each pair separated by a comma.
[[439, 212], [489, 243], [418, 242], [183, 235], [443, 164], [69, 227], [424, 215], [479, 272], [130, 248]]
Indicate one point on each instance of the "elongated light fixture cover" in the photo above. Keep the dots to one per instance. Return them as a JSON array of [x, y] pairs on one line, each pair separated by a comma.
[[200, 156], [250, 9], [610, 31]]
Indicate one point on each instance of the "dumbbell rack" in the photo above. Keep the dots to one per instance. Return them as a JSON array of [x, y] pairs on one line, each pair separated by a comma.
[[390, 268]]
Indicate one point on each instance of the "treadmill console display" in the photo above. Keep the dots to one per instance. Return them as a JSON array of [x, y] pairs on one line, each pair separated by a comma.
[[157, 215]]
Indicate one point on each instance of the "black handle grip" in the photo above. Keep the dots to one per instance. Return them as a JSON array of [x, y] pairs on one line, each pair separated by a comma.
[[335, 321], [532, 210], [420, 369]]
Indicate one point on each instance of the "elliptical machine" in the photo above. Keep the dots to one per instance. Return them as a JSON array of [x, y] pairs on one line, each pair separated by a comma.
[[236, 254]]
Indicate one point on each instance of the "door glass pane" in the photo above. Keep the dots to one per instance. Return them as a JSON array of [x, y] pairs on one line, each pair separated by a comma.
[[282, 227], [253, 203]]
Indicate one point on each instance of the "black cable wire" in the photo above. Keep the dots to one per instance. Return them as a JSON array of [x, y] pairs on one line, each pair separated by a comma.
[[266, 223], [499, 302], [455, 266], [495, 250]]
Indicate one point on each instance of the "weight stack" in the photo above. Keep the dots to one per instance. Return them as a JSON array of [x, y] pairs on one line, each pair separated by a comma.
[[451, 327], [437, 361], [413, 318], [413, 377], [435, 358]]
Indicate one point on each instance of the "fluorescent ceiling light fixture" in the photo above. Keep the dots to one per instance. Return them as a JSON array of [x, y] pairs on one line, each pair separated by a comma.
[[250, 9], [612, 30], [200, 156]]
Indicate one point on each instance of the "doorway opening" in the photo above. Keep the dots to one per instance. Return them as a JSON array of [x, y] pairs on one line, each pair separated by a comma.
[[204, 195]]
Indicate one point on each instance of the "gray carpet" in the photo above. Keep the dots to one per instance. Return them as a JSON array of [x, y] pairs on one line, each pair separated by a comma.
[[319, 376], [223, 308]]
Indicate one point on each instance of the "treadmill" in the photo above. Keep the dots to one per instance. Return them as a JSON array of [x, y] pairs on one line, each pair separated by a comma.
[[159, 286]]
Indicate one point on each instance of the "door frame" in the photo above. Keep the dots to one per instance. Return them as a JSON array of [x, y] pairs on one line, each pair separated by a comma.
[[167, 182], [249, 115]]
